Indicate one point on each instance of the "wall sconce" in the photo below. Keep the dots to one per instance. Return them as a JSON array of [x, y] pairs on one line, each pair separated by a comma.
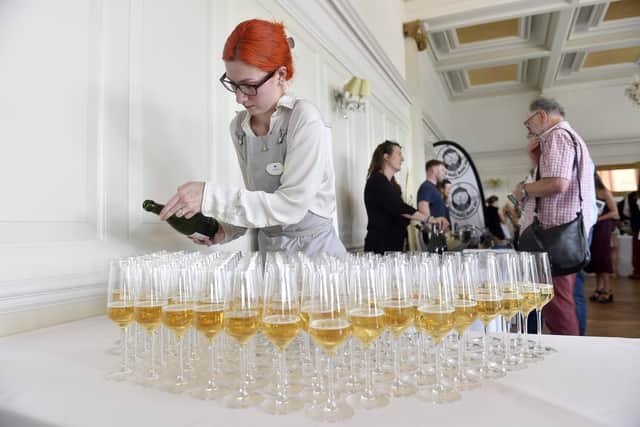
[[351, 97]]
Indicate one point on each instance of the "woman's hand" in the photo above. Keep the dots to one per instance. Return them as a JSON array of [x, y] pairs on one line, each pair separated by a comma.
[[186, 202], [217, 238]]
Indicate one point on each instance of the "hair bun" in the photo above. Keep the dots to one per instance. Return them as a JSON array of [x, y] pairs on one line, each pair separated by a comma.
[[291, 42]]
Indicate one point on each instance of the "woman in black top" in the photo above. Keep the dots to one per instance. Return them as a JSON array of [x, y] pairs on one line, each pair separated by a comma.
[[388, 214]]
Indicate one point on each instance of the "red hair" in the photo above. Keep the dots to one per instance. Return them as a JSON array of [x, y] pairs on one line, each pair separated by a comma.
[[259, 43]]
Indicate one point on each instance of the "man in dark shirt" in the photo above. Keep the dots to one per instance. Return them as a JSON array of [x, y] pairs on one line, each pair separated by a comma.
[[430, 202]]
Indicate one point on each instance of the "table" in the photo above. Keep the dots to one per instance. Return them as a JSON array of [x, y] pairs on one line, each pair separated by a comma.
[[54, 377]]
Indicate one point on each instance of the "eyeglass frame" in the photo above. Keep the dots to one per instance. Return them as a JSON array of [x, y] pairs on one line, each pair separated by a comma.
[[526, 122], [239, 86]]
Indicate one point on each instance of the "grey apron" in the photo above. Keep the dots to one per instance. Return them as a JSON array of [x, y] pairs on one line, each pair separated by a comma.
[[314, 234]]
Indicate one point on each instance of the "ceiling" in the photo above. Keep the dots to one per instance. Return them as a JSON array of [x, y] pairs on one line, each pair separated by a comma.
[[492, 47]]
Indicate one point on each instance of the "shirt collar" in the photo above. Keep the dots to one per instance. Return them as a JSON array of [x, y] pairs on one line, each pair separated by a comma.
[[562, 124], [286, 101]]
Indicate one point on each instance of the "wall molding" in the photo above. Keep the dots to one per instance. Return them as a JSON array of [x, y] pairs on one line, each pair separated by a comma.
[[30, 294]]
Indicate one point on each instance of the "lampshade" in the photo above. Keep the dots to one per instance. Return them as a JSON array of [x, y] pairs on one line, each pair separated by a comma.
[[353, 86], [365, 88]]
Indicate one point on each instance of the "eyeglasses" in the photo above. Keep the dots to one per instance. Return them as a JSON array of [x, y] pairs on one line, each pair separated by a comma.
[[245, 88], [526, 122]]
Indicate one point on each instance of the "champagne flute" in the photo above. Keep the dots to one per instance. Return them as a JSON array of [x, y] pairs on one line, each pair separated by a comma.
[[330, 327], [466, 312], [511, 302], [367, 321], [489, 299], [241, 322], [399, 312], [436, 316], [545, 285], [177, 315], [531, 299], [208, 312], [281, 324], [120, 311], [147, 309]]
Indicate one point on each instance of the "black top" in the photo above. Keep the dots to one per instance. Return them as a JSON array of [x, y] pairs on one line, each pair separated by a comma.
[[387, 228], [492, 221]]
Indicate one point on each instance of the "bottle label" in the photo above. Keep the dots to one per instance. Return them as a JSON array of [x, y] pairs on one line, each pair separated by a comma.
[[199, 236]]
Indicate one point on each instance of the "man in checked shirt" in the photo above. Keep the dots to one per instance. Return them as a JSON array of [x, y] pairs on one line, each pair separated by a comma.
[[550, 146]]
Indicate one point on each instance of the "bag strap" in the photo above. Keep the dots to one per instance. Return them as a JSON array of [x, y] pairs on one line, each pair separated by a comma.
[[575, 166]]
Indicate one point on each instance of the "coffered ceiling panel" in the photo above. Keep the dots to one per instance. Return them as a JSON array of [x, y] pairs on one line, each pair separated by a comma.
[[622, 9], [490, 31], [612, 56], [532, 44], [497, 74]]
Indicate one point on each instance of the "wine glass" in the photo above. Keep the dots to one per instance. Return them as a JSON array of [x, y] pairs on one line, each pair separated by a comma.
[[436, 316], [511, 302], [177, 315], [281, 324], [489, 299], [399, 312], [241, 322], [531, 299], [208, 319], [149, 299], [367, 321], [545, 287], [330, 327], [466, 312], [120, 311]]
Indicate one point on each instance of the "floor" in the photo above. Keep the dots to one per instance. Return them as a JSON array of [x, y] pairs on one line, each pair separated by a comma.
[[621, 318]]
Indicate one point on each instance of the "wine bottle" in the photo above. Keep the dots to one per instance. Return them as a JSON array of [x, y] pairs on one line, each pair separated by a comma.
[[198, 226]]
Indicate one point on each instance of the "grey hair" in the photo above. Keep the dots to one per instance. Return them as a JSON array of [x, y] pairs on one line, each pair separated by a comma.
[[548, 105]]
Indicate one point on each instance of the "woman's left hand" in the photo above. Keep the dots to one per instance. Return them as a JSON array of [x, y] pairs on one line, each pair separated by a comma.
[[186, 202]]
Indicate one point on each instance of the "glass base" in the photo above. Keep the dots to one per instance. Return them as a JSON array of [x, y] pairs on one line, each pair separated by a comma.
[[208, 393], [359, 401], [514, 363], [424, 378], [493, 372], [120, 375], [340, 412], [467, 381], [240, 401], [440, 393], [401, 388], [271, 406]]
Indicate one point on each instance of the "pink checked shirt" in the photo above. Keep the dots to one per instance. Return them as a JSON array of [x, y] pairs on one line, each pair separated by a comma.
[[556, 160]]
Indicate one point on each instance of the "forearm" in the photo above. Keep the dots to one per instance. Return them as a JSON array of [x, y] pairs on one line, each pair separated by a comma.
[[546, 187]]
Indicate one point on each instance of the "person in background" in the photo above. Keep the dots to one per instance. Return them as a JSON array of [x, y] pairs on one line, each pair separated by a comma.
[[283, 148], [445, 190], [511, 215], [493, 219], [430, 201], [601, 244], [631, 210], [388, 214], [551, 148]]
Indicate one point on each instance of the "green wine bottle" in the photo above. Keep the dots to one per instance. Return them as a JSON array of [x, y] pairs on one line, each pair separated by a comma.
[[198, 226]]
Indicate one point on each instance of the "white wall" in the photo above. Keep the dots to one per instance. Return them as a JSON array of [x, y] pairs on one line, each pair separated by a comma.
[[106, 103], [385, 18]]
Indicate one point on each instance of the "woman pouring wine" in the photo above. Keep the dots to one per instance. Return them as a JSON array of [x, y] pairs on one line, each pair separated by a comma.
[[283, 149]]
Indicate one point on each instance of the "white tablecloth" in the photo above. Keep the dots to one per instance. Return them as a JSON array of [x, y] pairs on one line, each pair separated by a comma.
[[54, 377]]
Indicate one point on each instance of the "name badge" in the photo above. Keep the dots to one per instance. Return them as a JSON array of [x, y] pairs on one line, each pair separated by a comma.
[[274, 169]]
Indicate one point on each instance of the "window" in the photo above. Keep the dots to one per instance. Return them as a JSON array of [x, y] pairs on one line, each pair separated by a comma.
[[620, 179]]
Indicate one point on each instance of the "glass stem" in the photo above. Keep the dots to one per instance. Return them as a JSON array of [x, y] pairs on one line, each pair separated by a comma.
[[282, 388], [460, 355], [525, 333], [367, 393], [211, 385], [519, 328], [507, 348], [438, 348], [485, 347], [125, 354], [539, 315], [179, 349], [331, 394], [396, 361], [244, 371], [152, 354]]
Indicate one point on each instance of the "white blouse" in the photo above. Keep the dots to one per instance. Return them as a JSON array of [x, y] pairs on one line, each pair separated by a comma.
[[307, 182]]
